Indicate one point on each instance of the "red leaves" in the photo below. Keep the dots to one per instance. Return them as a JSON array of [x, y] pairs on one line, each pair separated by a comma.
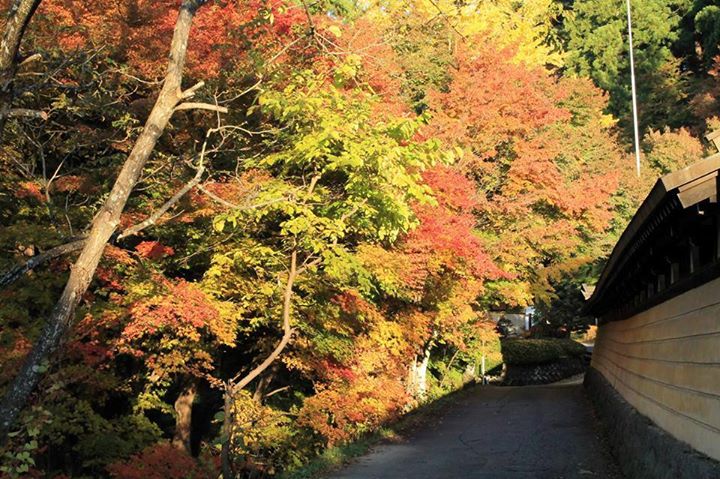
[[154, 250], [446, 234], [29, 189], [160, 461], [222, 32]]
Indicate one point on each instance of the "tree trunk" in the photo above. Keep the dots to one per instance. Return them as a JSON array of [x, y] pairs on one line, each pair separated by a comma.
[[417, 381], [264, 383], [235, 385], [183, 418], [226, 434], [103, 226], [449, 367], [19, 15], [470, 373]]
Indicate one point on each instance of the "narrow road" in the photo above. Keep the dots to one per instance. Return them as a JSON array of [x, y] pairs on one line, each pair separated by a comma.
[[536, 432]]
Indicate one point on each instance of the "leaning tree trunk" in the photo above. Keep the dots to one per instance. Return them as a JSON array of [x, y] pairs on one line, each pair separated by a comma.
[[104, 224], [19, 15]]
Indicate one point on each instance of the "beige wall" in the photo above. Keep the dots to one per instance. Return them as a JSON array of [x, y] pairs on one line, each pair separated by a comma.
[[666, 362]]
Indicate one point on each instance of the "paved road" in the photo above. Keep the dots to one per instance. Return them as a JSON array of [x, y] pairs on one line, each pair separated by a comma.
[[536, 432]]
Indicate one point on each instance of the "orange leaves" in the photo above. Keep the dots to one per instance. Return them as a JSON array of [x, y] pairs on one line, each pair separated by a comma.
[[154, 250], [71, 184], [492, 101], [176, 330], [380, 68], [541, 153], [29, 189], [115, 255], [341, 414], [222, 32], [184, 310], [160, 461]]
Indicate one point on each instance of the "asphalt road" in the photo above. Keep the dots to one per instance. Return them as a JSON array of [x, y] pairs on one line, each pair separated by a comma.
[[534, 432]]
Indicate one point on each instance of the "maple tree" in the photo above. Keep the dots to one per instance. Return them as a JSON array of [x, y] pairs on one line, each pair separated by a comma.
[[312, 246]]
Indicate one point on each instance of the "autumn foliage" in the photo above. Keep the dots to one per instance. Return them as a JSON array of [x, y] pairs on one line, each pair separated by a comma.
[[382, 179]]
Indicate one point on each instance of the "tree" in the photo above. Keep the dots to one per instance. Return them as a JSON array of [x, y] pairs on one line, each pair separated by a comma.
[[597, 47], [318, 260], [171, 97], [331, 184], [699, 28], [19, 15], [542, 188]]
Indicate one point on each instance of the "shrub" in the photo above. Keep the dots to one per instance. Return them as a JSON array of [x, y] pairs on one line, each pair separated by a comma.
[[538, 351], [572, 348], [161, 461]]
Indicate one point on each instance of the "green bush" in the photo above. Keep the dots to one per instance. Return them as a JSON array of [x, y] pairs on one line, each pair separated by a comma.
[[572, 348], [538, 351]]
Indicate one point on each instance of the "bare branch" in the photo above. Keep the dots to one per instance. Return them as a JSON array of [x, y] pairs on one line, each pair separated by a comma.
[[153, 218], [16, 273], [201, 106], [218, 199], [275, 391], [25, 112], [190, 92], [30, 59]]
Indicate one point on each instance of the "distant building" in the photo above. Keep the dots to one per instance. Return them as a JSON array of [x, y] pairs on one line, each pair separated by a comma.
[[522, 321], [657, 351]]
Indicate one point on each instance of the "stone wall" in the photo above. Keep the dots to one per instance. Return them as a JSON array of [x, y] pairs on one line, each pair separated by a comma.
[[642, 449], [526, 375], [665, 362]]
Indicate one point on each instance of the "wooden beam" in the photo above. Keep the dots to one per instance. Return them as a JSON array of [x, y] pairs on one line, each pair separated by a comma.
[[714, 137]]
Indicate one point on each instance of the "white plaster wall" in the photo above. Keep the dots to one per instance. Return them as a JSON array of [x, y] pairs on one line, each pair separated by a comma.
[[666, 362]]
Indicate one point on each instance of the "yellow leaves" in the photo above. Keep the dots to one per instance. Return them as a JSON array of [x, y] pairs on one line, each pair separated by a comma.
[[389, 336], [608, 120], [528, 26], [348, 70], [335, 30], [225, 327], [513, 293], [257, 427]]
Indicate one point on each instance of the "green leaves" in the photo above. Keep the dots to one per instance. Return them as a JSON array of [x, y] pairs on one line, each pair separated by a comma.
[[598, 48], [366, 172]]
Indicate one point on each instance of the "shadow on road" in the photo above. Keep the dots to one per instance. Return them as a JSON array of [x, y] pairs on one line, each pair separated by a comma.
[[491, 432]]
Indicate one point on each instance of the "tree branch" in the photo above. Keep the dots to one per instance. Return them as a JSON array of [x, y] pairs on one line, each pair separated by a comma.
[[190, 92], [237, 385], [201, 106], [16, 272], [153, 218]]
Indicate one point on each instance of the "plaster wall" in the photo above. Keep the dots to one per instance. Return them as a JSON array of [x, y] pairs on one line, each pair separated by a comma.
[[665, 362]]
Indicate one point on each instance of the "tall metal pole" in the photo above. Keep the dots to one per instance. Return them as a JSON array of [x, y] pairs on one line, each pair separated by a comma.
[[634, 92]]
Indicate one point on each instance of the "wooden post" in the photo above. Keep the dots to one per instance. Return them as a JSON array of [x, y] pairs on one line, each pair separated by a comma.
[[694, 256]]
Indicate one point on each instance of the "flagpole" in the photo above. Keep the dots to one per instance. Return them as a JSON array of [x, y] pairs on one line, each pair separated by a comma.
[[634, 92]]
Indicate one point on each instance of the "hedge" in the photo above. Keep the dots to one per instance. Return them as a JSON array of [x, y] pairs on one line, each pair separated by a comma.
[[538, 351]]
